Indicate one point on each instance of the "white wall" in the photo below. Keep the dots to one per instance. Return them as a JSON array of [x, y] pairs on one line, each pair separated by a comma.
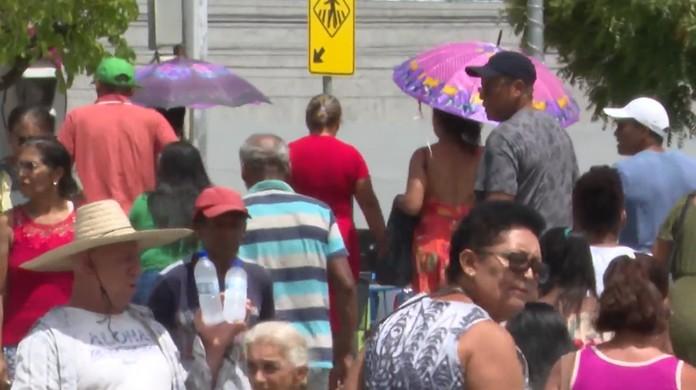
[[265, 42]]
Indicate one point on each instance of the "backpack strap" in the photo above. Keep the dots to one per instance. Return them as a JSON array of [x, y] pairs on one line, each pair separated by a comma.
[[677, 232]]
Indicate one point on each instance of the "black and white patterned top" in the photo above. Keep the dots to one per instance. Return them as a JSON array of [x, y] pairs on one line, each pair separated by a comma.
[[416, 348]]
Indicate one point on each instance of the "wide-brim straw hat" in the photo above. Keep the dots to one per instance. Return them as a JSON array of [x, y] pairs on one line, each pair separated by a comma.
[[99, 224]]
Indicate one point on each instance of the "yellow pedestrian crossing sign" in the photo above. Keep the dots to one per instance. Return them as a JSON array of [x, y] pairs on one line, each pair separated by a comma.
[[331, 30]]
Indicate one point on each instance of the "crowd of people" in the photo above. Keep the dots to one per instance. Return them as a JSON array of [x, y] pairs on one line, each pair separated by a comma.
[[527, 274]]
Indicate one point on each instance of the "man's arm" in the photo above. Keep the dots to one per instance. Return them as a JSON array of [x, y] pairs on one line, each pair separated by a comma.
[[216, 340], [498, 170], [341, 278], [37, 362], [355, 379]]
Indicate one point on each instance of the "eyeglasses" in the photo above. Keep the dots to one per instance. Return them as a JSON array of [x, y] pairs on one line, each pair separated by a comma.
[[520, 262]]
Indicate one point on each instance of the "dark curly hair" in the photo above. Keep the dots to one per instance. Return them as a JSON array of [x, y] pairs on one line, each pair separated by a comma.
[[598, 201], [483, 226], [633, 296]]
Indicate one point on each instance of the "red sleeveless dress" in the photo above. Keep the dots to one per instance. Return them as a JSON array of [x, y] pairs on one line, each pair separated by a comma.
[[29, 295]]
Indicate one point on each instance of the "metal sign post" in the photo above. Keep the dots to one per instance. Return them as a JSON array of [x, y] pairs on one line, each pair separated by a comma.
[[535, 28], [326, 82], [196, 45]]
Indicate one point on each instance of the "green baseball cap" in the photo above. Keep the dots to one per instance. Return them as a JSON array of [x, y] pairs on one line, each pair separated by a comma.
[[116, 71]]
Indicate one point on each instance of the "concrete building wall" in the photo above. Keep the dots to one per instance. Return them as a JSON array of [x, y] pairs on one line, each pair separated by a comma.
[[265, 42]]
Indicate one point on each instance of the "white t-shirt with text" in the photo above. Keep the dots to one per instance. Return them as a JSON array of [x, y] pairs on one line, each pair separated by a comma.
[[96, 352]]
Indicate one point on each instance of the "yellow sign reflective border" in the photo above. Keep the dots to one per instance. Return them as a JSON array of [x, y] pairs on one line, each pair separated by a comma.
[[331, 31]]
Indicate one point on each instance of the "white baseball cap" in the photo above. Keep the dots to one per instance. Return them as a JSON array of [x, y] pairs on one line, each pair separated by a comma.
[[646, 111]]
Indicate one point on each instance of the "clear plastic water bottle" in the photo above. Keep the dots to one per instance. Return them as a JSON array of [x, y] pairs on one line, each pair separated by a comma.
[[208, 290], [235, 293]]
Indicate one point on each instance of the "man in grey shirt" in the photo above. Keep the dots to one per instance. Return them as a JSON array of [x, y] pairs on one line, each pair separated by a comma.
[[528, 158]]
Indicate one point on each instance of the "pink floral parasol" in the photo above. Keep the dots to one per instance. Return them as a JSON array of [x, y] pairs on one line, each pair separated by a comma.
[[437, 78]]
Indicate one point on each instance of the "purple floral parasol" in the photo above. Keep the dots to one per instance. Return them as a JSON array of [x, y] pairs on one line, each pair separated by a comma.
[[438, 79], [183, 82]]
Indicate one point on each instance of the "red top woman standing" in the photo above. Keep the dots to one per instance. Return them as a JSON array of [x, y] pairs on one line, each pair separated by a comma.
[[43, 223], [335, 172]]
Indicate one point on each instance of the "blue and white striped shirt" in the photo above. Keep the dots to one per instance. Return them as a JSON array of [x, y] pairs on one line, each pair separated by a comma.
[[294, 237]]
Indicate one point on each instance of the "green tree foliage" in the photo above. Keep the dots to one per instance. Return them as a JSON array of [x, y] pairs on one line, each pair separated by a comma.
[[619, 49], [77, 32]]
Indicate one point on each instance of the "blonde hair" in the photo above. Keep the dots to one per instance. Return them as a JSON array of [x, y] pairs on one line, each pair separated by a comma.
[[282, 334], [323, 111]]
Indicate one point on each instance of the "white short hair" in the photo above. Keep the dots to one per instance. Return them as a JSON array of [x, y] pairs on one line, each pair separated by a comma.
[[260, 151], [282, 334]]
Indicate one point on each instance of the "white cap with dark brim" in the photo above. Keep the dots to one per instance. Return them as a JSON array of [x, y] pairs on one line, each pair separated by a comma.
[[646, 111]]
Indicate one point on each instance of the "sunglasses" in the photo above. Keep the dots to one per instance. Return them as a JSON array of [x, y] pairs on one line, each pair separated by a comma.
[[520, 262]]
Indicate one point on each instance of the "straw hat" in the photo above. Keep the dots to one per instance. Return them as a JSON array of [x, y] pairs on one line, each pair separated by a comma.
[[98, 224]]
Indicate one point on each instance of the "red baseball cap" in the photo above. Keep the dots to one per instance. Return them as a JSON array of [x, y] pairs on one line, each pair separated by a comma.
[[216, 200]]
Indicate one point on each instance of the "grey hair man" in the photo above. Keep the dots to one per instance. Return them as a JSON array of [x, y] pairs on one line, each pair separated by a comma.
[[264, 157], [297, 239]]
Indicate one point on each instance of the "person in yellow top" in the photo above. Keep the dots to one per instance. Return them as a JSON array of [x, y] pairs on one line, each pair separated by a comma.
[[24, 122]]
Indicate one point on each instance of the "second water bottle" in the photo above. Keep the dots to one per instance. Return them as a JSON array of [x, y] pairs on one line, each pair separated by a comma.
[[235, 293]]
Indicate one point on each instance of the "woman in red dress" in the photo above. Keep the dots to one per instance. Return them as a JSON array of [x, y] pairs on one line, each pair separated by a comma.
[[28, 230], [440, 191], [335, 172]]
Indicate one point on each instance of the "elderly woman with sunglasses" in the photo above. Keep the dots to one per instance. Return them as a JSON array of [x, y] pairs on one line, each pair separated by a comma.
[[451, 339]]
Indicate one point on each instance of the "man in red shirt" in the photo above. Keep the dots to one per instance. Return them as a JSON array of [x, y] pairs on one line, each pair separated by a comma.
[[114, 143]]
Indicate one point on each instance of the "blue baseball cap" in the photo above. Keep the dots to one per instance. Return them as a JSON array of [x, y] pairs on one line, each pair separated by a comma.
[[506, 63]]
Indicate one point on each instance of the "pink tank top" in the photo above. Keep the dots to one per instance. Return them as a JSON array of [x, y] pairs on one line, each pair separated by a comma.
[[595, 371], [31, 294]]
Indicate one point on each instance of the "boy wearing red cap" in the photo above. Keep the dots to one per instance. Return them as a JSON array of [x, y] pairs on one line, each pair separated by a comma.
[[220, 223]]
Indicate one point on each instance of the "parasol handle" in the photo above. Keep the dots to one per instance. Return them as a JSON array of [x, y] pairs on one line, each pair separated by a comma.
[[500, 37]]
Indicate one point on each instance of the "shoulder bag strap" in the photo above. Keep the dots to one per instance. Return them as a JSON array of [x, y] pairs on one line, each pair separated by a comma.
[[677, 231]]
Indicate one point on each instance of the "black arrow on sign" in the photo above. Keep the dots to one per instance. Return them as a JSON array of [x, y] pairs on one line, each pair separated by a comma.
[[317, 56]]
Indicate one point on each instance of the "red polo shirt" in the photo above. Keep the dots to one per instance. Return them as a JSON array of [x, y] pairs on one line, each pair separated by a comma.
[[115, 145]]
